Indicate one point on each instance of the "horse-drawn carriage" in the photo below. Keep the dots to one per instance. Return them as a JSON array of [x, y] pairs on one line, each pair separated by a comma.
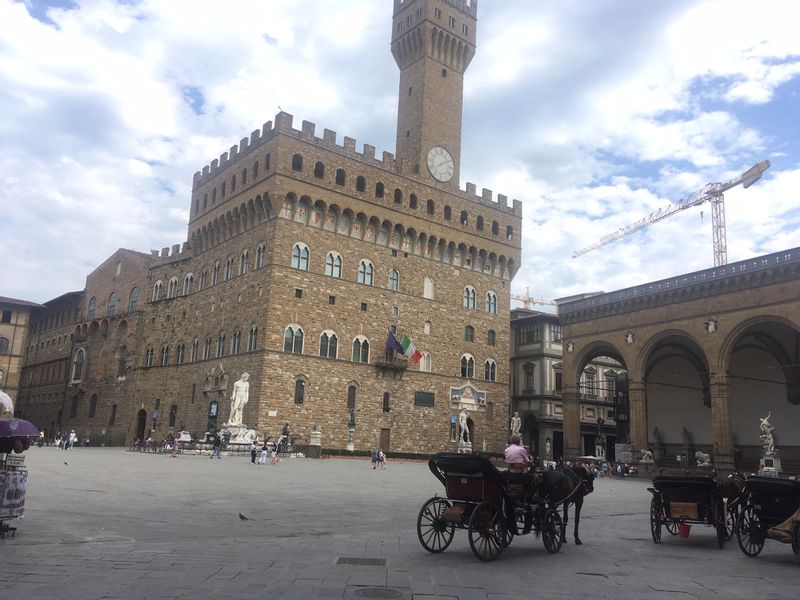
[[683, 500], [771, 511], [492, 505]]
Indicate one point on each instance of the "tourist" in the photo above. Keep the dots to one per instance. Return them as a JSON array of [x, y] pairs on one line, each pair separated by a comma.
[[253, 451], [382, 459], [376, 457], [262, 459], [517, 458], [216, 447]]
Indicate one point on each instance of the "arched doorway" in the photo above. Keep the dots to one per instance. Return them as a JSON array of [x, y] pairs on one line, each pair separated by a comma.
[[141, 424]]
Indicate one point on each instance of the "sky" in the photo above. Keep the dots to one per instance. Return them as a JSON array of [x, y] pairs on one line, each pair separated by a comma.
[[592, 113]]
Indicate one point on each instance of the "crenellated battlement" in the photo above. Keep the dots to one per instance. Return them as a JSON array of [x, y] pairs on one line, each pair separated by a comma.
[[172, 254], [284, 124], [469, 7]]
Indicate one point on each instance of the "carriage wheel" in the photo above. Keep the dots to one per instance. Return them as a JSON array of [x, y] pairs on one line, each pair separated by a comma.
[[719, 523], [433, 532], [671, 527], [731, 514], [748, 531], [552, 531], [655, 520], [488, 534]]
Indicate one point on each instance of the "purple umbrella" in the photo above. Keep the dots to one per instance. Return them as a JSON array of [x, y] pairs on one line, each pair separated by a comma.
[[16, 434]]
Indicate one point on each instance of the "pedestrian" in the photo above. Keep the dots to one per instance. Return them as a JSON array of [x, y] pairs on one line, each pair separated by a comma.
[[262, 460], [174, 447], [253, 452], [382, 459], [273, 448], [375, 458], [72, 439], [216, 447]]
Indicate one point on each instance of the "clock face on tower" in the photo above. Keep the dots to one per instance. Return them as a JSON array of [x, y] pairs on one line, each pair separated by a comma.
[[441, 164]]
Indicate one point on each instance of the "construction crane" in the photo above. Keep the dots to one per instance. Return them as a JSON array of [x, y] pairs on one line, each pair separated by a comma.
[[528, 301], [713, 193]]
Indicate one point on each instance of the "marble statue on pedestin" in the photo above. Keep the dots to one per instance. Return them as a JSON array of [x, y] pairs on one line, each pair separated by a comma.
[[463, 428], [703, 459], [516, 424], [239, 398], [647, 456], [767, 437]]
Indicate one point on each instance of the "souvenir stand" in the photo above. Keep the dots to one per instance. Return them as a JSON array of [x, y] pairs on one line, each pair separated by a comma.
[[16, 436]]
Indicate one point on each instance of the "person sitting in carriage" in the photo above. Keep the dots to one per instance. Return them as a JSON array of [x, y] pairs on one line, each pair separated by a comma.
[[517, 458]]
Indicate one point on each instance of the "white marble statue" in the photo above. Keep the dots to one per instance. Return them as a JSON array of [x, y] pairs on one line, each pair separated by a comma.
[[516, 424], [767, 438], [239, 397], [703, 459], [647, 456], [463, 428]]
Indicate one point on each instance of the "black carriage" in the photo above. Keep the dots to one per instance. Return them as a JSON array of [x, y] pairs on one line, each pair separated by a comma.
[[680, 500], [771, 511], [492, 505]]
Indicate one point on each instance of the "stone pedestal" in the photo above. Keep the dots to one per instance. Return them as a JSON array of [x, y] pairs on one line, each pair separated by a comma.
[[315, 444], [238, 434], [770, 465], [464, 447], [350, 444]]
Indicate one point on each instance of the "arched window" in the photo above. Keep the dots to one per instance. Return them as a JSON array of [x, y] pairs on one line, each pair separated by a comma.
[[112, 304], [491, 337], [172, 288], [93, 406], [509, 233], [427, 328], [215, 274], [394, 280], [464, 219], [469, 297], [205, 201], [157, 290], [469, 333], [188, 284], [430, 208], [528, 369], [261, 255], [252, 339], [398, 196], [207, 348], [491, 303], [244, 176], [77, 363], [229, 268], [73, 411], [255, 171], [221, 344], [495, 228], [133, 300], [425, 363], [340, 177], [164, 355], [300, 256], [90, 313], [428, 288], [213, 196], [333, 265], [361, 349], [412, 202], [328, 343], [361, 183], [479, 223], [267, 161], [122, 361], [379, 190], [366, 272], [222, 190], [297, 163], [319, 170], [467, 366], [180, 354], [490, 370], [244, 262], [195, 347], [293, 339], [352, 392], [299, 391], [448, 213], [203, 278], [148, 357], [233, 184], [236, 341]]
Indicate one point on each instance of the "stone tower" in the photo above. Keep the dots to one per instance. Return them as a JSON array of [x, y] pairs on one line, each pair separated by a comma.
[[433, 42]]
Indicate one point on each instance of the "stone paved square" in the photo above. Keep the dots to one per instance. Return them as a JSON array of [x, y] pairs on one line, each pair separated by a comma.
[[111, 524]]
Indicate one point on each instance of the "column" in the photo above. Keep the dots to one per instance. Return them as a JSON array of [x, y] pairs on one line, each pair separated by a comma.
[[572, 423], [721, 431], [637, 415]]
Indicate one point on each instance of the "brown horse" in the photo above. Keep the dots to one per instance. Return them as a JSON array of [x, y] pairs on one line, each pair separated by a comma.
[[731, 491], [569, 486]]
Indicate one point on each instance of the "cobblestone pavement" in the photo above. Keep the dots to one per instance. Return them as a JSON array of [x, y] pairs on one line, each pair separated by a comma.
[[106, 523]]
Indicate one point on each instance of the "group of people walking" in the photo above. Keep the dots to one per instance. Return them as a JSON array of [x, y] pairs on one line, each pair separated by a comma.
[[268, 448], [378, 459]]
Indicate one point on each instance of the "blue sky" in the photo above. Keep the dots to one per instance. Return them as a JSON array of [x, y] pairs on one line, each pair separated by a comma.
[[593, 114]]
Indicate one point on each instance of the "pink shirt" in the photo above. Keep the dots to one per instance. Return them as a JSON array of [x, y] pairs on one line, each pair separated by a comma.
[[516, 458]]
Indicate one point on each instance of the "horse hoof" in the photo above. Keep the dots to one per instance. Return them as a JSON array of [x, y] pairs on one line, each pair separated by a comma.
[[578, 542]]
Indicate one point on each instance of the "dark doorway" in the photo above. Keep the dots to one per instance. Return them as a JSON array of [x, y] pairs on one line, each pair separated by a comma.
[[588, 444], [530, 435], [558, 444], [385, 443], [141, 423]]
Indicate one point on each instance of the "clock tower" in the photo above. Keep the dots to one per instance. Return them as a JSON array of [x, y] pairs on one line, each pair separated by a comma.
[[433, 42]]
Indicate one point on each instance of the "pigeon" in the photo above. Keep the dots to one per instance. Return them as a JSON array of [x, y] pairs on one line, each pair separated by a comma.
[[242, 517], [66, 463]]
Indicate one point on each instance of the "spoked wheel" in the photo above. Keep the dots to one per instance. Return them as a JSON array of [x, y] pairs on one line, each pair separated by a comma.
[[552, 530], [748, 532], [671, 527], [731, 514], [488, 534], [434, 533], [655, 520], [719, 523]]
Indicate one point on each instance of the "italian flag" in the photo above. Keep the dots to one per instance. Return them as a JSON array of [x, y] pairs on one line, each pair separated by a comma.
[[410, 350]]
